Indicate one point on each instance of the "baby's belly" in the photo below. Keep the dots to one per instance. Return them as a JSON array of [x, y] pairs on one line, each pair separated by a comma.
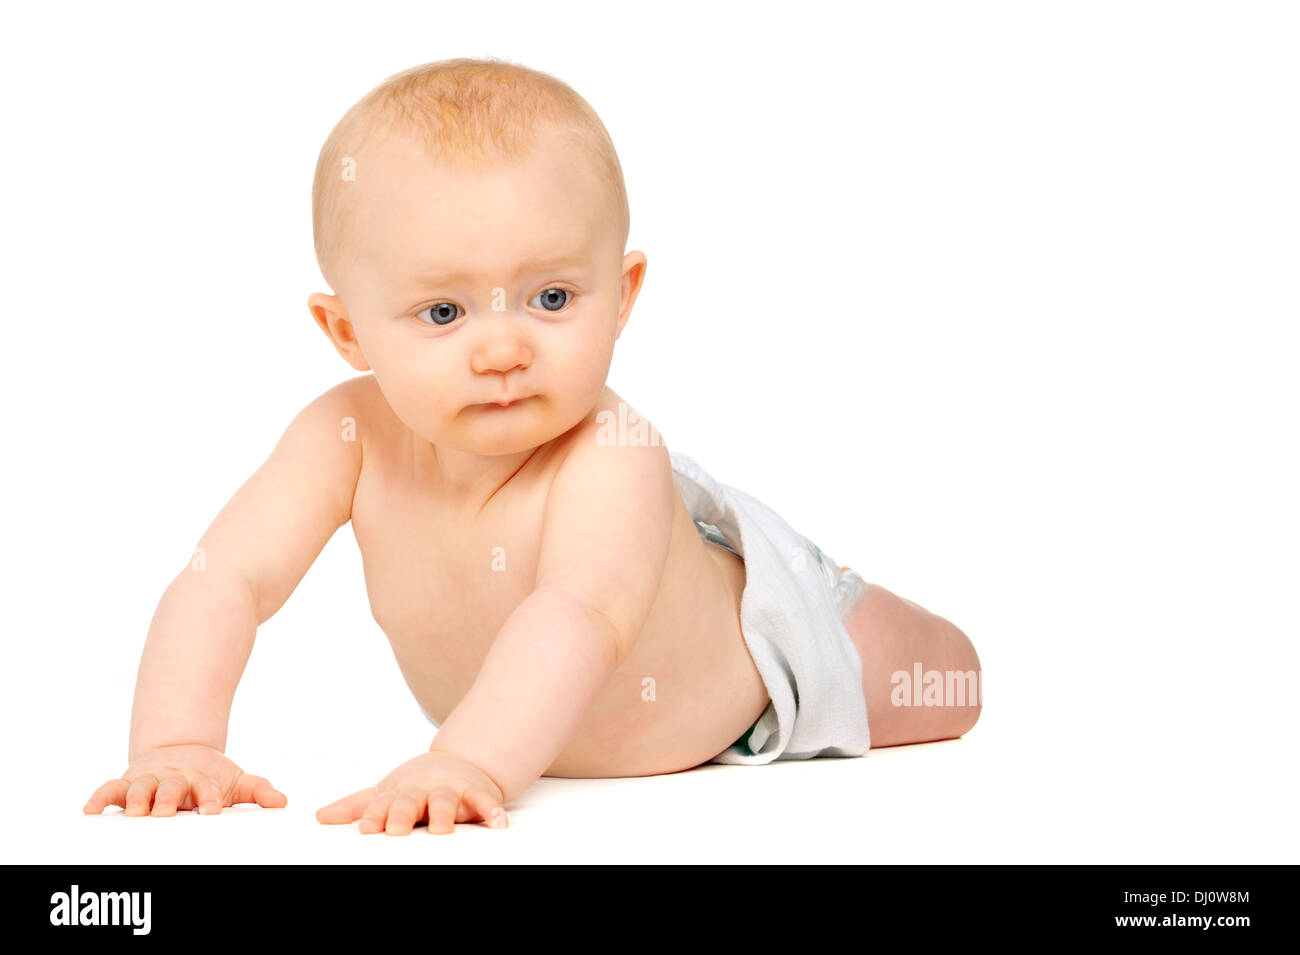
[[688, 689]]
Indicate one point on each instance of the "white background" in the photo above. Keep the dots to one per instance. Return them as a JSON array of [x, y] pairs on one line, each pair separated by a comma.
[[996, 302]]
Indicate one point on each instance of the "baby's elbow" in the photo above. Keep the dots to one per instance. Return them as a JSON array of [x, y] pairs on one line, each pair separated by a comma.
[[621, 637]]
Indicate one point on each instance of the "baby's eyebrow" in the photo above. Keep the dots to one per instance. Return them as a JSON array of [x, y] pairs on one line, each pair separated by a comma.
[[443, 276]]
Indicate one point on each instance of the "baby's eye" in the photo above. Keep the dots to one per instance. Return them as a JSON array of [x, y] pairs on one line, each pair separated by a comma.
[[553, 299], [440, 313]]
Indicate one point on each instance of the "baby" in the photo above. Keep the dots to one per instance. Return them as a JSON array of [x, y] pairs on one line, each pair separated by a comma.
[[563, 594]]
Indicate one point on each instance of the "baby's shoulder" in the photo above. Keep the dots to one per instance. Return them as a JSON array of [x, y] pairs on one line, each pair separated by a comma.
[[612, 423], [362, 392], [359, 410]]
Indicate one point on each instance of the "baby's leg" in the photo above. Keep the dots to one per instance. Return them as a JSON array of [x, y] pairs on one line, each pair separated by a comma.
[[893, 635]]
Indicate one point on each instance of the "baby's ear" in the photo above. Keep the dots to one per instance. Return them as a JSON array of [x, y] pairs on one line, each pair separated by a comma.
[[634, 266], [334, 322]]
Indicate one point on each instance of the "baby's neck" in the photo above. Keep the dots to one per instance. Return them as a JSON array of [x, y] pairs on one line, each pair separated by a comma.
[[467, 481]]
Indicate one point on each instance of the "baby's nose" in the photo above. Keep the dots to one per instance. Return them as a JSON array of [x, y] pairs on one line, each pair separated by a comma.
[[502, 354]]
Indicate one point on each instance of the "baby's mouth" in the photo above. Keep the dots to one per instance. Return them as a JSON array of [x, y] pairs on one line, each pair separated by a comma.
[[503, 403]]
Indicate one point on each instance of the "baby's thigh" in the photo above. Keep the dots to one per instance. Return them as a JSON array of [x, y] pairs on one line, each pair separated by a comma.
[[893, 635]]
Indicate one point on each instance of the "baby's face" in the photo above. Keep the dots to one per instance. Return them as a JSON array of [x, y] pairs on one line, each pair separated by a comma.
[[465, 289]]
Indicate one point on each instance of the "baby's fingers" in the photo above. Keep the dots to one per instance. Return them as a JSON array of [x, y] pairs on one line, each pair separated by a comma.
[[173, 788], [404, 813], [207, 794], [139, 794], [443, 803], [256, 789], [347, 808], [112, 793], [372, 820], [484, 805]]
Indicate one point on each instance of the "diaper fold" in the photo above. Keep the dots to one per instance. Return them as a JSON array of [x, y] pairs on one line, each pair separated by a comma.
[[791, 617]]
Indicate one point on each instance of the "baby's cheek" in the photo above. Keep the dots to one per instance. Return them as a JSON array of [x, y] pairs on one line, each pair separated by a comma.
[[416, 400], [586, 365]]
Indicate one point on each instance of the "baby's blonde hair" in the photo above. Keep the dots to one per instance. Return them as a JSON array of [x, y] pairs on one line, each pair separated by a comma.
[[467, 112]]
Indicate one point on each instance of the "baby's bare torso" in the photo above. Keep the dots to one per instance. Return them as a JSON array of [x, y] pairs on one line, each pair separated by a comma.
[[442, 581]]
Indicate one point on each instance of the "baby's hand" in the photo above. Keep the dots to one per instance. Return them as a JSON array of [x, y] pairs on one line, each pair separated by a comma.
[[183, 777], [437, 786]]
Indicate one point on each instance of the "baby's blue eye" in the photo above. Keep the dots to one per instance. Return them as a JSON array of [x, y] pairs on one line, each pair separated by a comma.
[[438, 313], [551, 297]]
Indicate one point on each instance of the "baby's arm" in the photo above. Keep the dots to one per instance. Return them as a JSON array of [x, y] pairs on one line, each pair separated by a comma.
[[605, 539], [247, 563]]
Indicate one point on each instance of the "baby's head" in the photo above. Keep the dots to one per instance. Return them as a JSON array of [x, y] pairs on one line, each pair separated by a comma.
[[471, 218]]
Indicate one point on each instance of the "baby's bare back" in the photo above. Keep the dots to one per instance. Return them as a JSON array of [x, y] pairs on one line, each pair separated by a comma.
[[442, 580]]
